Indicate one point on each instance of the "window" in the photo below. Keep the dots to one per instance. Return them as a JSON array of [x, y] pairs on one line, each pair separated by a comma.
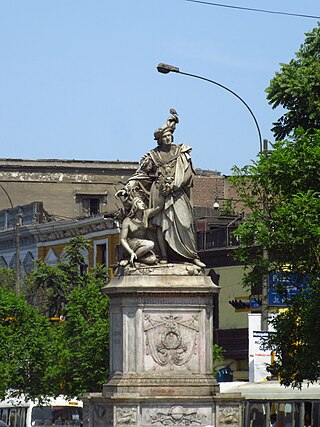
[[91, 204], [101, 255], [14, 417], [56, 415], [101, 252], [3, 262], [51, 258], [94, 206], [28, 262], [13, 263]]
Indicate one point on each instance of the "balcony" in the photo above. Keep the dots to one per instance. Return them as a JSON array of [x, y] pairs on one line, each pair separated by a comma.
[[221, 237]]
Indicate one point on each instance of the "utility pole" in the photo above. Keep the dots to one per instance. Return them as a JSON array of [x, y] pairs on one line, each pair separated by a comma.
[[16, 222], [264, 297], [265, 255], [17, 244]]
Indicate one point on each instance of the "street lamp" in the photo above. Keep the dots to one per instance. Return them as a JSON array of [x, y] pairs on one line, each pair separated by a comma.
[[17, 241], [231, 200], [167, 68]]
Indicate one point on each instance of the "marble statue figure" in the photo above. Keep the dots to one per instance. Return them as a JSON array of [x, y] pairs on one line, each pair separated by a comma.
[[163, 181], [134, 230]]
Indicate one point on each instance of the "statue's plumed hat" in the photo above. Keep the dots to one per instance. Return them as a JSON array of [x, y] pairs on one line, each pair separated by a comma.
[[160, 131], [169, 126]]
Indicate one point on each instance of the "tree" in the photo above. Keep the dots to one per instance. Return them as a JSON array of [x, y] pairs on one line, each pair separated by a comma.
[[84, 362], [43, 357], [282, 191], [7, 278], [295, 341], [25, 352], [297, 88], [48, 286]]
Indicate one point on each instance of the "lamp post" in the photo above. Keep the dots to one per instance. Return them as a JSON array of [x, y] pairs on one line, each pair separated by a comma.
[[263, 145], [166, 68], [16, 225]]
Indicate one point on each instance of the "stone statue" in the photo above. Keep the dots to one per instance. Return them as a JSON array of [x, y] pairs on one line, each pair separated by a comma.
[[163, 182], [134, 232]]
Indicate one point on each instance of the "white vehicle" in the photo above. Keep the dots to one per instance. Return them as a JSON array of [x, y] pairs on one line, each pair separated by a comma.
[[268, 404], [57, 412]]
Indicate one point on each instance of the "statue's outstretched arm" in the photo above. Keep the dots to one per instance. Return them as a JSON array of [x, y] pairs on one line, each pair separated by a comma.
[[154, 211]]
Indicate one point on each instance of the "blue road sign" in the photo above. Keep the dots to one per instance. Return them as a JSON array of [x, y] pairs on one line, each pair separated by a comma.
[[291, 285], [255, 303]]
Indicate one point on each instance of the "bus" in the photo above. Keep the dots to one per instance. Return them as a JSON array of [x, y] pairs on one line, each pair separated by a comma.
[[57, 412], [269, 404]]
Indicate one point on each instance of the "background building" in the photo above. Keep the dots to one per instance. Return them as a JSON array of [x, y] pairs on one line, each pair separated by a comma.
[[76, 188], [40, 238], [73, 198], [67, 188]]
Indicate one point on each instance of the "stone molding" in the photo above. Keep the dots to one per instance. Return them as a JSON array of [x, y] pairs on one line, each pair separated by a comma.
[[54, 230]]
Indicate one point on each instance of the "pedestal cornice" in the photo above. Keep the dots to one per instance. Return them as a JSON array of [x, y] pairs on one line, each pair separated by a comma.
[[174, 279]]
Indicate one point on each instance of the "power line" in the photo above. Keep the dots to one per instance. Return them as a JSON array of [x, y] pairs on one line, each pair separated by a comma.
[[254, 10]]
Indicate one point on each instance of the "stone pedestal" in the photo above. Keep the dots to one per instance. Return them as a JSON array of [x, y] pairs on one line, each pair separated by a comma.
[[161, 338]]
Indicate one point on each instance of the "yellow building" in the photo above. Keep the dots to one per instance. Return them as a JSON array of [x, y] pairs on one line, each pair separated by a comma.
[[47, 240]]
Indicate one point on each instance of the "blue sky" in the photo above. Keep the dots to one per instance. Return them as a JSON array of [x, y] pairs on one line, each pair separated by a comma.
[[78, 78]]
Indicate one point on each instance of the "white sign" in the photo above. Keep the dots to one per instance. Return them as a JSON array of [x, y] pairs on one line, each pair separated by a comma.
[[258, 357]]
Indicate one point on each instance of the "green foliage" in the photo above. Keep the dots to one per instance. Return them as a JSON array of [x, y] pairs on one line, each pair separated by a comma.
[[26, 339], [297, 88], [226, 208], [42, 357], [7, 278], [295, 342], [282, 193], [47, 287], [74, 265], [217, 356], [217, 353], [85, 360], [283, 234], [74, 251]]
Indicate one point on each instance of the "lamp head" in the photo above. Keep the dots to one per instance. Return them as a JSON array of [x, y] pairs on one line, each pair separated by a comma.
[[216, 204], [166, 68]]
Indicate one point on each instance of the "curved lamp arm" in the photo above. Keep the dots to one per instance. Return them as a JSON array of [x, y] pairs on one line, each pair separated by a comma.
[[166, 68]]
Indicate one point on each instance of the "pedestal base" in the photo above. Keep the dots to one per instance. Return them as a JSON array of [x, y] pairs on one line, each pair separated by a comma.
[[148, 412], [161, 338]]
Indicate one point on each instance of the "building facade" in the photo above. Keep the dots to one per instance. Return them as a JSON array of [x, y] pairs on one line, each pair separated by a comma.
[[75, 196], [67, 188], [36, 238], [80, 188]]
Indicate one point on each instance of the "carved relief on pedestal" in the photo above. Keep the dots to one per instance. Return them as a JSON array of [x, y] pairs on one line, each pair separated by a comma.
[[126, 416], [177, 415], [171, 340], [102, 415], [229, 415]]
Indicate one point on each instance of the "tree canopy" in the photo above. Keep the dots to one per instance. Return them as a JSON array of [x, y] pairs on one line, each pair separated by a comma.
[[282, 233], [297, 89], [25, 352], [43, 356], [282, 191]]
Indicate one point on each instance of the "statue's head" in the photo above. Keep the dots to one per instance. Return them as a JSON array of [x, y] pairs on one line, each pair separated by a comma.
[[137, 204], [163, 135]]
